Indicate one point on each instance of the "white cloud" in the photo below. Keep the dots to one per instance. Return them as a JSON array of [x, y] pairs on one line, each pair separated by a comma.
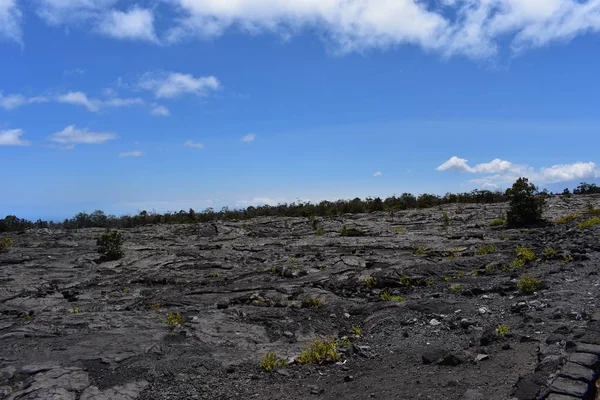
[[160, 111], [174, 84], [13, 101], [131, 154], [475, 28], [378, 173], [10, 21], [12, 137], [251, 137], [94, 105], [72, 135], [500, 172], [259, 201], [136, 23], [196, 145]]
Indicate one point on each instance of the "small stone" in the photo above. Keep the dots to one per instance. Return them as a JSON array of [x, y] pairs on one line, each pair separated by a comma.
[[506, 346], [346, 315], [451, 360], [588, 348], [434, 322], [288, 334], [222, 305], [481, 357], [577, 372], [484, 310], [348, 378], [472, 394], [585, 359], [282, 372], [315, 389]]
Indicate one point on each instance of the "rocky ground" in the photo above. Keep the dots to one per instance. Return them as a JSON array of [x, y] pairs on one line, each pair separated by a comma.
[[73, 327]]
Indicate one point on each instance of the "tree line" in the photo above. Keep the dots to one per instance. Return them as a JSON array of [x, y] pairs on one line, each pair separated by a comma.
[[98, 219]]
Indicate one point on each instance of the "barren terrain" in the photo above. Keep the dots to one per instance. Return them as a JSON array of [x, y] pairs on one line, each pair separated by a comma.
[[72, 327]]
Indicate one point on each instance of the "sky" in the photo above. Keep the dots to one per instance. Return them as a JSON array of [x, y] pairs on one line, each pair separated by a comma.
[[164, 105]]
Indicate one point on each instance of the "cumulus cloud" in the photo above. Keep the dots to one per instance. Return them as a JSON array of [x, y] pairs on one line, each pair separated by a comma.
[[10, 21], [378, 173], [175, 84], [12, 137], [136, 23], [160, 111], [251, 137], [501, 172], [191, 143], [131, 154], [72, 135]]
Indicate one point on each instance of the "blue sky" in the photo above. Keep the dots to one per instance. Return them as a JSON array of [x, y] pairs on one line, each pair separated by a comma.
[[172, 104]]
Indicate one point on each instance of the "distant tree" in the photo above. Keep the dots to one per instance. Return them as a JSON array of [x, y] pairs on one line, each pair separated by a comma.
[[526, 205], [110, 245]]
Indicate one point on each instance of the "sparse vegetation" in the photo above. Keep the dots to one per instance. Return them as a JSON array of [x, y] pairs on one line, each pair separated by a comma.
[[445, 220], [351, 232], [319, 352], [567, 259], [486, 250], [526, 205], [154, 306], [75, 310], [5, 244], [314, 303], [567, 218], [528, 284], [387, 296], [524, 256], [550, 253], [212, 274], [593, 211], [589, 223], [357, 331], [456, 288], [502, 330], [110, 245], [370, 281], [174, 318], [498, 222], [420, 251], [320, 232], [270, 362], [399, 229]]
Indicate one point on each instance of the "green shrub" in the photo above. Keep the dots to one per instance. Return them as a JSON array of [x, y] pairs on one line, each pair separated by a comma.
[[370, 281], [524, 256], [399, 229], [456, 288], [356, 330], [593, 211], [486, 250], [319, 352], [498, 222], [352, 232], [320, 232], [550, 253], [5, 244], [420, 251], [589, 223], [110, 245], [386, 296], [526, 205], [567, 218], [502, 330], [270, 362], [314, 302], [528, 284], [174, 318], [445, 220]]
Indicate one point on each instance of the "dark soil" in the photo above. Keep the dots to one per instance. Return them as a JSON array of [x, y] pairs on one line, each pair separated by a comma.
[[73, 327]]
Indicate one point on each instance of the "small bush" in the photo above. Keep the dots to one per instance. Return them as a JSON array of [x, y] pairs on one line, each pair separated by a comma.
[[568, 259], [567, 218], [486, 250], [526, 205], [320, 232], [524, 256], [319, 352], [270, 362], [420, 251], [386, 296], [445, 220], [351, 232], [502, 330], [498, 222], [370, 281], [589, 223], [399, 229], [456, 288], [593, 211], [5, 244], [174, 318], [110, 245], [528, 284], [314, 302], [550, 253], [356, 330]]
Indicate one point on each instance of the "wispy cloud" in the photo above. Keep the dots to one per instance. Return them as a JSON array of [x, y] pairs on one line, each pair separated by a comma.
[[501, 172], [191, 143], [131, 154], [137, 23], [175, 84], [378, 173], [10, 21], [251, 137], [72, 135], [159, 111], [258, 201], [12, 137], [13, 101], [94, 105]]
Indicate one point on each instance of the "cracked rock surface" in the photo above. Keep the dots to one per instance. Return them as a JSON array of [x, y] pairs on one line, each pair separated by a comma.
[[72, 327]]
